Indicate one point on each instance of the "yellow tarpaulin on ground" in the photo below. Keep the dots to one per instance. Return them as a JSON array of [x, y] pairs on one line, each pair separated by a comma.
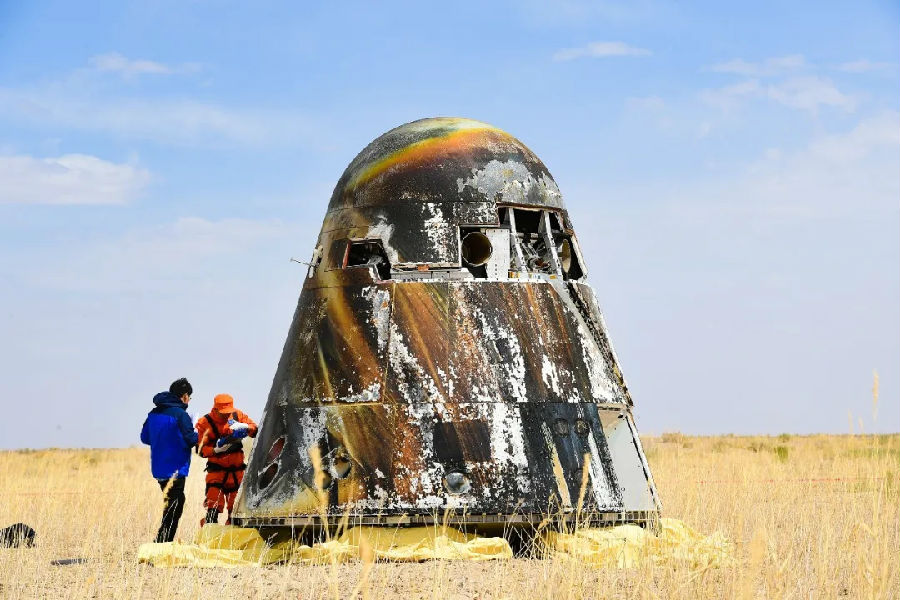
[[622, 546], [425, 543], [216, 546], [227, 546], [631, 546]]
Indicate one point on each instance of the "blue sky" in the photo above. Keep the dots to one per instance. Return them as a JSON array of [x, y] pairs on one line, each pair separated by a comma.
[[731, 171]]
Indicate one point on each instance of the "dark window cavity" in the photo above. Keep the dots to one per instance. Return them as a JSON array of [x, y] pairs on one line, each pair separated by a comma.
[[368, 253], [540, 242]]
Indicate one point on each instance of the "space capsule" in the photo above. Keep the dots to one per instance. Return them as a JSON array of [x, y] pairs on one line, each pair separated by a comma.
[[447, 358]]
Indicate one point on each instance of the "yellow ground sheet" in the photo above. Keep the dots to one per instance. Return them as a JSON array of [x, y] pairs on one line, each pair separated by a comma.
[[227, 546], [622, 546], [629, 546]]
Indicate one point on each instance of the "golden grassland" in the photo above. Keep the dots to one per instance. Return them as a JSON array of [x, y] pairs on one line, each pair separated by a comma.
[[810, 517]]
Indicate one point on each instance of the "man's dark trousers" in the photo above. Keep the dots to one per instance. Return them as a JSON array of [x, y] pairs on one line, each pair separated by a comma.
[[173, 504]]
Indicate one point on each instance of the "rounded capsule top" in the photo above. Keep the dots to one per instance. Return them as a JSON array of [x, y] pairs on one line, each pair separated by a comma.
[[445, 159]]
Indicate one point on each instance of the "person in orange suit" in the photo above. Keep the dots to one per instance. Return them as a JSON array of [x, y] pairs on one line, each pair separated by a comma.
[[221, 433]]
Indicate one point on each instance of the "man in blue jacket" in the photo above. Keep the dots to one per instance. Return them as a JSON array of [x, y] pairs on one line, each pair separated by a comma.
[[171, 436]]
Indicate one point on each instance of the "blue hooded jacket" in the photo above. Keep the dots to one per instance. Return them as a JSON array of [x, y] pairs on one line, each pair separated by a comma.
[[169, 432]]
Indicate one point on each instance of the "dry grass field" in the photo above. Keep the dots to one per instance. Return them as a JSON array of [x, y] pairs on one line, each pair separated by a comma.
[[810, 517]]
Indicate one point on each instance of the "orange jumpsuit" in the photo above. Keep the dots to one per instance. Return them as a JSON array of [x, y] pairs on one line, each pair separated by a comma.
[[224, 471]]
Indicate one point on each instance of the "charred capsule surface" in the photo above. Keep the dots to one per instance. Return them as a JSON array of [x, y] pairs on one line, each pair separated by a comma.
[[446, 351]]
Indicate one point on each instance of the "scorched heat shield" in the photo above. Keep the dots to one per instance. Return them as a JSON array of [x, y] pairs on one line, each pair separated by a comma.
[[447, 354]]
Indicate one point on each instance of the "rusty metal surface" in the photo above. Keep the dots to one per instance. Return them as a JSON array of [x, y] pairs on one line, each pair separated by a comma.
[[437, 388]]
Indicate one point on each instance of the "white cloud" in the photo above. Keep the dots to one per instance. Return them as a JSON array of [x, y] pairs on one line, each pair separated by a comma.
[[770, 66], [841, 175], [129, 68], [799, 91], [117, 63], [76, 106], [867, 138], [68, 179], [83, 101], [863, 66], [809, 93], [834, 176], [600, 50]]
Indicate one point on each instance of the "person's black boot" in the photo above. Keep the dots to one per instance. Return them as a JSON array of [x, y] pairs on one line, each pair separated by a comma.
[[212, 516]]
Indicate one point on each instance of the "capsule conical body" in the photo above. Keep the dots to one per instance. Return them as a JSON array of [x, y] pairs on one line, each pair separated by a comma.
[[447, 354]]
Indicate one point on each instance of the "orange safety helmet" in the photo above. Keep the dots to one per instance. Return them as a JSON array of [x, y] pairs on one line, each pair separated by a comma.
[[223, 403]]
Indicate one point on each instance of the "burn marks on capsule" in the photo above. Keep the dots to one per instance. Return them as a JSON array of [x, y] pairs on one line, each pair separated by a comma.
[[431, 161], [433, 341], [390, 458], [336, 349], [445, 353], [433, 176]]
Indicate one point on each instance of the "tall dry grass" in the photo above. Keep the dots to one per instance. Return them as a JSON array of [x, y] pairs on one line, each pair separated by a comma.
[[811, 517]]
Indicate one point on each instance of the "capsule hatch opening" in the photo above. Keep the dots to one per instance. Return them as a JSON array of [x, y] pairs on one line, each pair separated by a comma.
[[540, 243], [368, 253]]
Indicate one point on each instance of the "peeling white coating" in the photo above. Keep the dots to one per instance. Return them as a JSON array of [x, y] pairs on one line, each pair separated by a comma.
[[550, 375], [427, 477], [383, 231], [603, 493], [372, 393], [514, 369], [437, 228], [508, 442], [511, 180], [602, 388], [402, 360], [380, 297]]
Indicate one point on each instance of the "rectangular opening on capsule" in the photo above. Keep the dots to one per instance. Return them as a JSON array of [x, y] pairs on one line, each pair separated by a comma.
[[540, 243], [370, 254], [528, 222]]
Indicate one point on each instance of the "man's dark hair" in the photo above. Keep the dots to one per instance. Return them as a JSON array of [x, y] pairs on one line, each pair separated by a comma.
[[181, 387]]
